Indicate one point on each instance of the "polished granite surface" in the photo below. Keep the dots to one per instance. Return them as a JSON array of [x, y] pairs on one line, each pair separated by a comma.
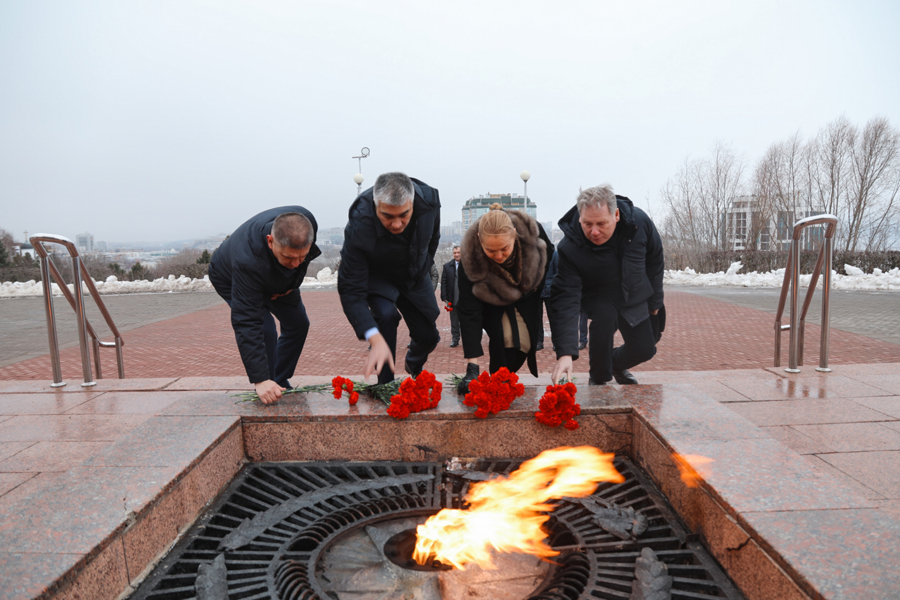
[[804, 476]]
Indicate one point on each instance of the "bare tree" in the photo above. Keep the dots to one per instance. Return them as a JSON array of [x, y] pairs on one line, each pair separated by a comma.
[[874, 184], [698, 199], [185, 256], [6, 238]]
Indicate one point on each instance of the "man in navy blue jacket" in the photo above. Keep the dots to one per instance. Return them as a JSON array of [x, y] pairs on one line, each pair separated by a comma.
[[611, 267], [258, 271], [389, 244]]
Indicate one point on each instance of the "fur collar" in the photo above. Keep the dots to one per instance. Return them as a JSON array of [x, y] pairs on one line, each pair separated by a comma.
[[490, 287]]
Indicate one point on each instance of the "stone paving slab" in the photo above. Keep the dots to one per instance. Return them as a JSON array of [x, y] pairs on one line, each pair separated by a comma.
[[756, 478], [702, 334]]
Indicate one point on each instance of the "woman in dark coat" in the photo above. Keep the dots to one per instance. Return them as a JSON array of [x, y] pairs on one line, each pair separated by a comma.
[[505, 255]]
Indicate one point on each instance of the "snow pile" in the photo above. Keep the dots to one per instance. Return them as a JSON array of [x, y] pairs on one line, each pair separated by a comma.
[[855, 280], [158, 286]]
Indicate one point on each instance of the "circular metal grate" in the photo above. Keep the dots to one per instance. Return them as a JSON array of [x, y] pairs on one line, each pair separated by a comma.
[[315, 530]]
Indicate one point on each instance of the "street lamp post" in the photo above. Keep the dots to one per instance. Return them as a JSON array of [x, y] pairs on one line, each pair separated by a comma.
[[358, 178], [525, 175]]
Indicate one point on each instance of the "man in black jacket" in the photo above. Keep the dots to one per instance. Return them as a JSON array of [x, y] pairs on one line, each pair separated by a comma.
[[389, 245], [258, 271], [611, 266], [450, 294]]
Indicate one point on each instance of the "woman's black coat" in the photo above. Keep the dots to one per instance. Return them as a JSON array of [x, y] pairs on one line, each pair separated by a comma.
[[476, 314]]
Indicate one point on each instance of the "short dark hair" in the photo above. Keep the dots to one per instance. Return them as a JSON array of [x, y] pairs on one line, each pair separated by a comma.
[[394, 189], [293, 230]]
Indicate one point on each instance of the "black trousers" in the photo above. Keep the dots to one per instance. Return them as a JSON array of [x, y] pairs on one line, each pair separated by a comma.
[[639, 346], [283, 351], [423, 333], [454, 326]]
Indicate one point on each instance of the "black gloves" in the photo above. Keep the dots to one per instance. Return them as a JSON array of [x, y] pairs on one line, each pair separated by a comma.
[[658, 323], [472, 372]]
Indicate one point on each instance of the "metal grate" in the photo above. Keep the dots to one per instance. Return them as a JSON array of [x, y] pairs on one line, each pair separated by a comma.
[[306, 530]]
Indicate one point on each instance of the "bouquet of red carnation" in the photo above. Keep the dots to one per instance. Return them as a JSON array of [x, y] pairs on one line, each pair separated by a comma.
[[415, 395], [558, 406], [493, 393], [339, 384]]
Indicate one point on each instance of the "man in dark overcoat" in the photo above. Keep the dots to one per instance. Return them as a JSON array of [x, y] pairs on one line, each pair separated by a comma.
[[389, 245], [258, 271], [611, 267], [450, 294]]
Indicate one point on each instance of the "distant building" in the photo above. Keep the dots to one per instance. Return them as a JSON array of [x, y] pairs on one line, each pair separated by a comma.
[[100, 246], [746, 226], [452, 233], [548, 228], [26, 249], [478, 205], [84, 242], [331, 235]]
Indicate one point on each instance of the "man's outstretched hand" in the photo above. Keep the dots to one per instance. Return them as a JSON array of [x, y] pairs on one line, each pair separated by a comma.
[[379, 355], [268, 391], [563, 368]]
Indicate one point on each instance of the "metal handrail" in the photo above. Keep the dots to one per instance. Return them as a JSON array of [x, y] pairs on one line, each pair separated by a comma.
[[79, 274], [792, 279]]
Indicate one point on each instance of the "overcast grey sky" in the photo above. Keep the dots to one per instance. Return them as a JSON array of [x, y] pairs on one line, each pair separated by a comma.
[[167, 120]]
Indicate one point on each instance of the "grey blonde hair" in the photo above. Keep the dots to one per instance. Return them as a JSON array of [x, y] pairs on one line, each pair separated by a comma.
[[393, 189], [598, 196]]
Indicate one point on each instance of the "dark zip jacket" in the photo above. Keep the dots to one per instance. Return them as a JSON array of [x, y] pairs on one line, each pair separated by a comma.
[[249, 277], [577, 282], [369, 256]]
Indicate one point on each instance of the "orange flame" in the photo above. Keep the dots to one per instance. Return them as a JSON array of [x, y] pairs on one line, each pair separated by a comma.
[[506, 514], [688, 465]]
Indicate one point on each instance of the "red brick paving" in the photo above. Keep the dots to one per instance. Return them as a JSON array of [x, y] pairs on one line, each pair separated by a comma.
[[702, 334]]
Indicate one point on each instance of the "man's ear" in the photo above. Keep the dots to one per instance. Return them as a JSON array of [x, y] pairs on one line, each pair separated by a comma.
[[271, 241]]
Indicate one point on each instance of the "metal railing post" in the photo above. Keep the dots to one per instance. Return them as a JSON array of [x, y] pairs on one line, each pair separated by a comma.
[[97, 369], [119, 358], [49, 272], [826, 306], [82, 327], [792, 279], [795, 305], [47, 284]]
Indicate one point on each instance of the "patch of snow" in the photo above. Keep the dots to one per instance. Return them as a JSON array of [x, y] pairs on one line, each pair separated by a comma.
[[856, 280], [163, 285], [734, 268]]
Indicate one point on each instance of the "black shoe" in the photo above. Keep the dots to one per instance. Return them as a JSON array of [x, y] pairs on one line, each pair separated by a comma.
[[540, 346], [592, 382], [582, 345], [472, 372], [413, 372], [624, 377], [454, 344]]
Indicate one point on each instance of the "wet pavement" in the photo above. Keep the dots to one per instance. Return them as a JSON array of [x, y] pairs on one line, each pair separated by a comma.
[[800, 499]]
